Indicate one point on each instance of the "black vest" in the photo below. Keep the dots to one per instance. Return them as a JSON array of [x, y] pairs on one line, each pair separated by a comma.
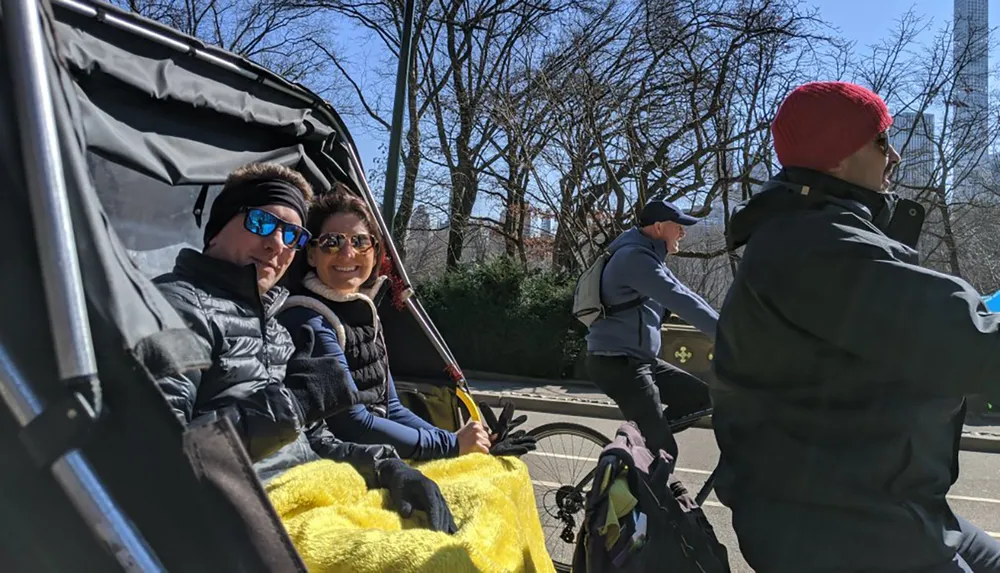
[[364, 347]]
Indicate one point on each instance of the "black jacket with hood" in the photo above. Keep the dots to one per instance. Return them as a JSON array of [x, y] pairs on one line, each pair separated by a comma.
[[842, 367]]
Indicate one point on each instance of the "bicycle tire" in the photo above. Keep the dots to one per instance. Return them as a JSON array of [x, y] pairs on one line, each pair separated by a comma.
[[554, 428], [578, 430]]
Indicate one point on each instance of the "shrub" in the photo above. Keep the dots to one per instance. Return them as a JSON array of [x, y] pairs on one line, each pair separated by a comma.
[[500, 317]]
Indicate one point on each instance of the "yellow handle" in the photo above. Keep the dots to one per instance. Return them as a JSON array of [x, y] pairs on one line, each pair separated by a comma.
[[470, 404]]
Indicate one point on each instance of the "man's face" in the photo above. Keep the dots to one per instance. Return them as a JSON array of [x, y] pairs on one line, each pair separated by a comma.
[[871, 166], [270, 255], [671, 233]]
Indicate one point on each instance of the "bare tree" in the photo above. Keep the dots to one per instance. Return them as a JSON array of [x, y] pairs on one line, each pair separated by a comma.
[[669, 99], [274, 33], [945, 165], [480, 37]]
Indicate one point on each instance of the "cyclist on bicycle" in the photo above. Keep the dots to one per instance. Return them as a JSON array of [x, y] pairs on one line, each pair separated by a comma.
[[638, 290]]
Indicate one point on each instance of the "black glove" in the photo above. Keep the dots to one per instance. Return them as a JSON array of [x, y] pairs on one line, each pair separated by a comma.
[[321, 384], [505, 441], [411, 490]]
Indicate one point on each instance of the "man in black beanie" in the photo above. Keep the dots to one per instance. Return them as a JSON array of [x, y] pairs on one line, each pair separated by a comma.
[[277, 398]]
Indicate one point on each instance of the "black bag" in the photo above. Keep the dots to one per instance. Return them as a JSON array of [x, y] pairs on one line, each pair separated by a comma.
[[678, 537]]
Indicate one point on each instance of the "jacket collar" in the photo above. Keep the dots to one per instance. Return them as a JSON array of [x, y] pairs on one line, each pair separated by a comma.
[[635, 236], [238, 281], [313, 284], [873, 206]]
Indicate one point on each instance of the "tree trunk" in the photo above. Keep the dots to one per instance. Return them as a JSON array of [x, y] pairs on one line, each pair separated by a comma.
[[411, 167]]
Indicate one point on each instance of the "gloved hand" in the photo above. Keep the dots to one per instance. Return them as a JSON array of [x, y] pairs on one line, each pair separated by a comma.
[[321, 384], [411, 490], [266, 420], [505, 441]]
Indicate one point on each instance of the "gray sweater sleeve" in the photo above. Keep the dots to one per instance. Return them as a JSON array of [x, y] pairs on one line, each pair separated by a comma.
[[651, 277]]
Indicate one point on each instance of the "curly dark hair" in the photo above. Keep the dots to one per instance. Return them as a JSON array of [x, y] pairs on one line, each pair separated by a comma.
[[340, 199]]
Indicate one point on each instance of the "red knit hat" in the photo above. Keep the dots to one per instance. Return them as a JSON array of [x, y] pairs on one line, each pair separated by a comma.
[[822, 123]]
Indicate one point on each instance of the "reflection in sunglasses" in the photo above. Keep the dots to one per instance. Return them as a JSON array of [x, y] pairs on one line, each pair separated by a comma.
[[334, 242], [264, 224]]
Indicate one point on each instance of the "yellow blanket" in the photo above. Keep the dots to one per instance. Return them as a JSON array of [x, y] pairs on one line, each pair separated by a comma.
[[337, 524]]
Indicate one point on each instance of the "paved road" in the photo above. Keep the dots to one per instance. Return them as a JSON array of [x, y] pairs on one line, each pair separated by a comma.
[[976, 496]]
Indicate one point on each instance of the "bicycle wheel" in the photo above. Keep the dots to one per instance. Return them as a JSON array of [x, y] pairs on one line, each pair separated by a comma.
[[562, 469]]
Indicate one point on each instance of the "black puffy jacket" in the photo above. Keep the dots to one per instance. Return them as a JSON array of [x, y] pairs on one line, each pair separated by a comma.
[[220, 302], [841, 369]]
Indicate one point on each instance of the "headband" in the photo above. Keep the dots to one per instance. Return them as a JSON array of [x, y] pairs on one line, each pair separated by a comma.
[[254, 193]]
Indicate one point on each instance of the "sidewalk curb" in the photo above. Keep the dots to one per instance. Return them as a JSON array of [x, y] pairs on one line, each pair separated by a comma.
[[527, 380], [971, 441], [566, 407]]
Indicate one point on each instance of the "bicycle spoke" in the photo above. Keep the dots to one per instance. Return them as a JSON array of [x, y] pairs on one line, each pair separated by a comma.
[[561, 470]]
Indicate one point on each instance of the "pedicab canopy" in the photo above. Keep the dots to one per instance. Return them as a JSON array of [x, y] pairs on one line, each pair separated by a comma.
[[145, 121]]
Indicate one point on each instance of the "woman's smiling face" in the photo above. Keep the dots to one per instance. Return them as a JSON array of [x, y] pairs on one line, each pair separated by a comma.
[[344, 253]]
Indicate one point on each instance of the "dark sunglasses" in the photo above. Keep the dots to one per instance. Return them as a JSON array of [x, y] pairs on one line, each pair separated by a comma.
[[331, 243], [882, 140], [261, 223]]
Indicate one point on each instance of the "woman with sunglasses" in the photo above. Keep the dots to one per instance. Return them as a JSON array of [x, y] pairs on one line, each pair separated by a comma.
[[337, 298]]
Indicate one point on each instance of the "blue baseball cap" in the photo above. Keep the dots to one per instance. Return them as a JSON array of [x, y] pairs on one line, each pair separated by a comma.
[[659, 210]]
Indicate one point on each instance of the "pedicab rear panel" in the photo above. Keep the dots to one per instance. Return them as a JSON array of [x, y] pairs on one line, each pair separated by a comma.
[[687, 348]]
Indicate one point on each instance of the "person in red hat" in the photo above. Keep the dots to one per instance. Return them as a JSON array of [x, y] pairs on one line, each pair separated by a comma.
[[842, 365]]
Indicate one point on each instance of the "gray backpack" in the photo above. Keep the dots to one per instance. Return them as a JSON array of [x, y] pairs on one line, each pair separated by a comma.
[[587, 305]]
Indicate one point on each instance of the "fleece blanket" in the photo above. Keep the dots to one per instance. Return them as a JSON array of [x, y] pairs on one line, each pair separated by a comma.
[[338, 524]]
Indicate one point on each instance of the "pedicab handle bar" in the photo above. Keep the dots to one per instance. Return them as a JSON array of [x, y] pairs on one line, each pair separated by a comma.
[[43, 169]]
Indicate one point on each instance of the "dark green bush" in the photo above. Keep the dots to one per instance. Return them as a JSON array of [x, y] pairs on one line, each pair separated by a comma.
[[499, 317]]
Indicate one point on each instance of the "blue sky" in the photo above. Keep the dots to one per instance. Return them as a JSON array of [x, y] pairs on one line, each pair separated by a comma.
[[868, 20], [864, 21]]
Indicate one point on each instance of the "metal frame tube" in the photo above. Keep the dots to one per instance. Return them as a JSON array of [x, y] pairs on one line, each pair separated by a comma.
[[43, 169], [70, 328], [79, 481]]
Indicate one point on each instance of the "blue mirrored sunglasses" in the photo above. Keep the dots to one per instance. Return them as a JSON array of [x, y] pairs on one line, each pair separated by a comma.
[[260, 222]]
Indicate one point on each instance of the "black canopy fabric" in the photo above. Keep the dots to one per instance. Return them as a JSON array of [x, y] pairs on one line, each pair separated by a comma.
[[146, 117]]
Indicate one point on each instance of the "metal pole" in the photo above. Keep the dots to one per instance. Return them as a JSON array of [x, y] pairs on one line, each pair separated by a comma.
[[78, 480], [43, 170], [398, 106]]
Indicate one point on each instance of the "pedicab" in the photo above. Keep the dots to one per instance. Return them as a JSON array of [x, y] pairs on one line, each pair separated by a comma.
[[116, 133]]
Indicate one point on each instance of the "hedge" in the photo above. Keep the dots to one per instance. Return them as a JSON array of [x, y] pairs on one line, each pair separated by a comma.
[[500, 317]]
